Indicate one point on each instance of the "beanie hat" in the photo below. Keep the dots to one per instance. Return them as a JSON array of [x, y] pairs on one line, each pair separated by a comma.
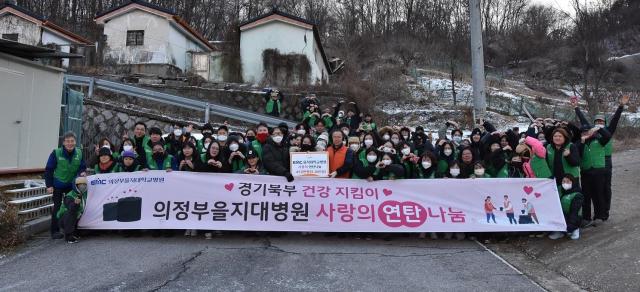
[[81, 180], [104, 151], [129, 154]]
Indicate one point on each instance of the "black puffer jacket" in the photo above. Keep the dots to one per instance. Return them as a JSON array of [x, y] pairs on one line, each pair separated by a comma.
[[275, 158]]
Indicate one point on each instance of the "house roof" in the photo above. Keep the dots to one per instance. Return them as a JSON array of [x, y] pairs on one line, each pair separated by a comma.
[[314, 27], [161, 11], [33, 52], [40, 20]]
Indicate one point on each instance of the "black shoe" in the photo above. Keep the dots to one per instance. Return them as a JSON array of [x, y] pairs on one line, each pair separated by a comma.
[[72, 240], [57, 235], [587, 223]]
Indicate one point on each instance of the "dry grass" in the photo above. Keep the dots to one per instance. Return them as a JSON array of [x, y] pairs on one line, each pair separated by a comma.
[[10, 231]]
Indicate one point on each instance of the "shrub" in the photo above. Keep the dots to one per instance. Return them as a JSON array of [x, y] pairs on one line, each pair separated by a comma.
[[10, 223]]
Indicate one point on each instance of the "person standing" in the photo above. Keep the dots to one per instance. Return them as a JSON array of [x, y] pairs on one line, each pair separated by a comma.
[[273, 99], [508, 209], [276, 155], [63, 166], [340, 156]]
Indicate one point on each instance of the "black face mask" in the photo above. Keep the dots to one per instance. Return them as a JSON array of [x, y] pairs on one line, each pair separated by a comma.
[[307, 147], [158, 155], [517, 164], [251, 138]]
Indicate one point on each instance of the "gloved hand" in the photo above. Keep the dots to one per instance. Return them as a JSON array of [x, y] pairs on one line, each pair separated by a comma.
[[289, 177]]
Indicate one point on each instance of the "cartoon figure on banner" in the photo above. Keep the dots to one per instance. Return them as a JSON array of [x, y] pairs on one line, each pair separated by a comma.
[[123, 207], [488, 209], [528, 213]]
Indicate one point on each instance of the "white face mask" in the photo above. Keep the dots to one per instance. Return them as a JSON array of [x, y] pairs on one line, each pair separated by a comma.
[[177, 132], [277, 139], [406, 151], [206, 145], [454, 172], [386, 137], [599, 126], [426, 164], [457, 139], [386, 161], [345, 132], [127, 147], [395, 141], [372, 158], [368, 142], [448, 152], [386, 149], [222, 138], [82, 188], [567, 187], [406, 138], [301, 132], [234, 147], [355, 147], [479, 172]]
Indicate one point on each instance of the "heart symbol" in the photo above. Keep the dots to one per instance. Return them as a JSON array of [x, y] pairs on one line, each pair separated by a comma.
[[229, 186], [538, 195], [387, 192], [528, 189]]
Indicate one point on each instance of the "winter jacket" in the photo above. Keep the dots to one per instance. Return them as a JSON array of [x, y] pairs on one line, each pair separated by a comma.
[[276, 158]]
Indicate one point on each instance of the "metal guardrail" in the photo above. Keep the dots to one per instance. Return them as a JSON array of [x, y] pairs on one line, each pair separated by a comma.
[[175, 100]]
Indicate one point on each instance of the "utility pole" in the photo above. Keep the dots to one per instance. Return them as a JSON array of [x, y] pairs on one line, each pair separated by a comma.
[[477, 60]]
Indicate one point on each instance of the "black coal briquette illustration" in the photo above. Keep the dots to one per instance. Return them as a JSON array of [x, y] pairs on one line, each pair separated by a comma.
[[129, 209], [110, 212]]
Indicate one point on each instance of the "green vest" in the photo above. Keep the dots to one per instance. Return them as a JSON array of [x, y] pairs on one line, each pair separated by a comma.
[[551, 153], [565, 202], [608, 149], [502, 172], [443, 168], [66, 171], [114, 169], [540, 167], [73, 195], [328, 123], [271, 104], [593, 155], [166, 164], [145, 143]]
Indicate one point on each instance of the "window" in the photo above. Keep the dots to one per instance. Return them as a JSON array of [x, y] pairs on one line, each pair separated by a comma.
[[135, 37], [10, 36]]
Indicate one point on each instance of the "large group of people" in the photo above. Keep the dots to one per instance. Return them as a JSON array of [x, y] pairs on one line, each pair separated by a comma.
[[576, 154]]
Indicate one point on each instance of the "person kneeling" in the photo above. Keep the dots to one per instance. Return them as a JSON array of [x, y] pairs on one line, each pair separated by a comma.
[[571, 199], [72, 208]]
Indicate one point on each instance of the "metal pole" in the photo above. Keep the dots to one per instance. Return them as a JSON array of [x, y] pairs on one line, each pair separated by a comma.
[[92, 82], [477, 60], [207, 110]]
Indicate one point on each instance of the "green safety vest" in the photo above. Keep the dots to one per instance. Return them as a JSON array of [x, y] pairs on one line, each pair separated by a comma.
[[565, 202], [551, 153], [114, 169], [593, 155], [166, 164], [66, 171], [540, 167], [443, 167], [73, 195], [608, 149], [270, 106]]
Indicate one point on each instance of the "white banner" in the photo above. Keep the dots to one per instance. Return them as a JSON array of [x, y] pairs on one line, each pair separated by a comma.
[[309, 164], [186, 200]]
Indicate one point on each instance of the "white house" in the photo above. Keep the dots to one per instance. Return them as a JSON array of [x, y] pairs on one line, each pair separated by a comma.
[[21, 25], [289, 35], [140, 33], [31, 95]]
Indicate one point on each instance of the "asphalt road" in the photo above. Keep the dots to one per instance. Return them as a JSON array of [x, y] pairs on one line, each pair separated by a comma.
[[234, 262]]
